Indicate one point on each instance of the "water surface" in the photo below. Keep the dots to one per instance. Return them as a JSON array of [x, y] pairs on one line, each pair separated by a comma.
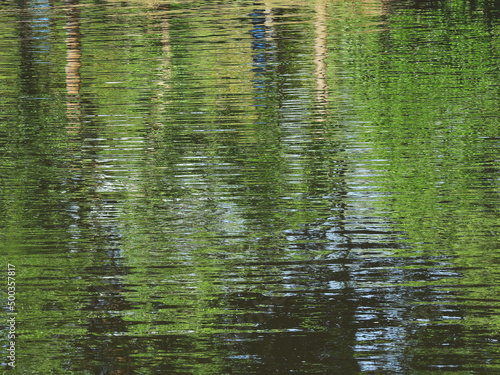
[[251, 187]]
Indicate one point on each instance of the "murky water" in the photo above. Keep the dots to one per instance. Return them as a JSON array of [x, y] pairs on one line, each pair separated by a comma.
[[268, 187]]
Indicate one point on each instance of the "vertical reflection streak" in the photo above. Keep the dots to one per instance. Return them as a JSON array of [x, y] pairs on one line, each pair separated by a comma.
[[165, 68], [320, 55], [73, 65]]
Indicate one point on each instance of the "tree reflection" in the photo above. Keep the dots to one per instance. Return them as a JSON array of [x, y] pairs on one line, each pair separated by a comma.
[[266, 188], [73, 58]]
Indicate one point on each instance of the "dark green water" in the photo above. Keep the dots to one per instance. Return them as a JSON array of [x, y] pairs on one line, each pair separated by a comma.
[[236, 187]]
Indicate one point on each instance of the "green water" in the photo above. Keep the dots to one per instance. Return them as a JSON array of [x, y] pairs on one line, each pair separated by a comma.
[[235, 187]]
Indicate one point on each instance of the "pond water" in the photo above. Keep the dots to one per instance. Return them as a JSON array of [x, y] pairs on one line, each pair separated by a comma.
[[239, 187]]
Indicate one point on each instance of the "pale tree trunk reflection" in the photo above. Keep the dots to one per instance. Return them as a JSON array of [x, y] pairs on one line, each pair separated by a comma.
[[73, 64], [320, 55]]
